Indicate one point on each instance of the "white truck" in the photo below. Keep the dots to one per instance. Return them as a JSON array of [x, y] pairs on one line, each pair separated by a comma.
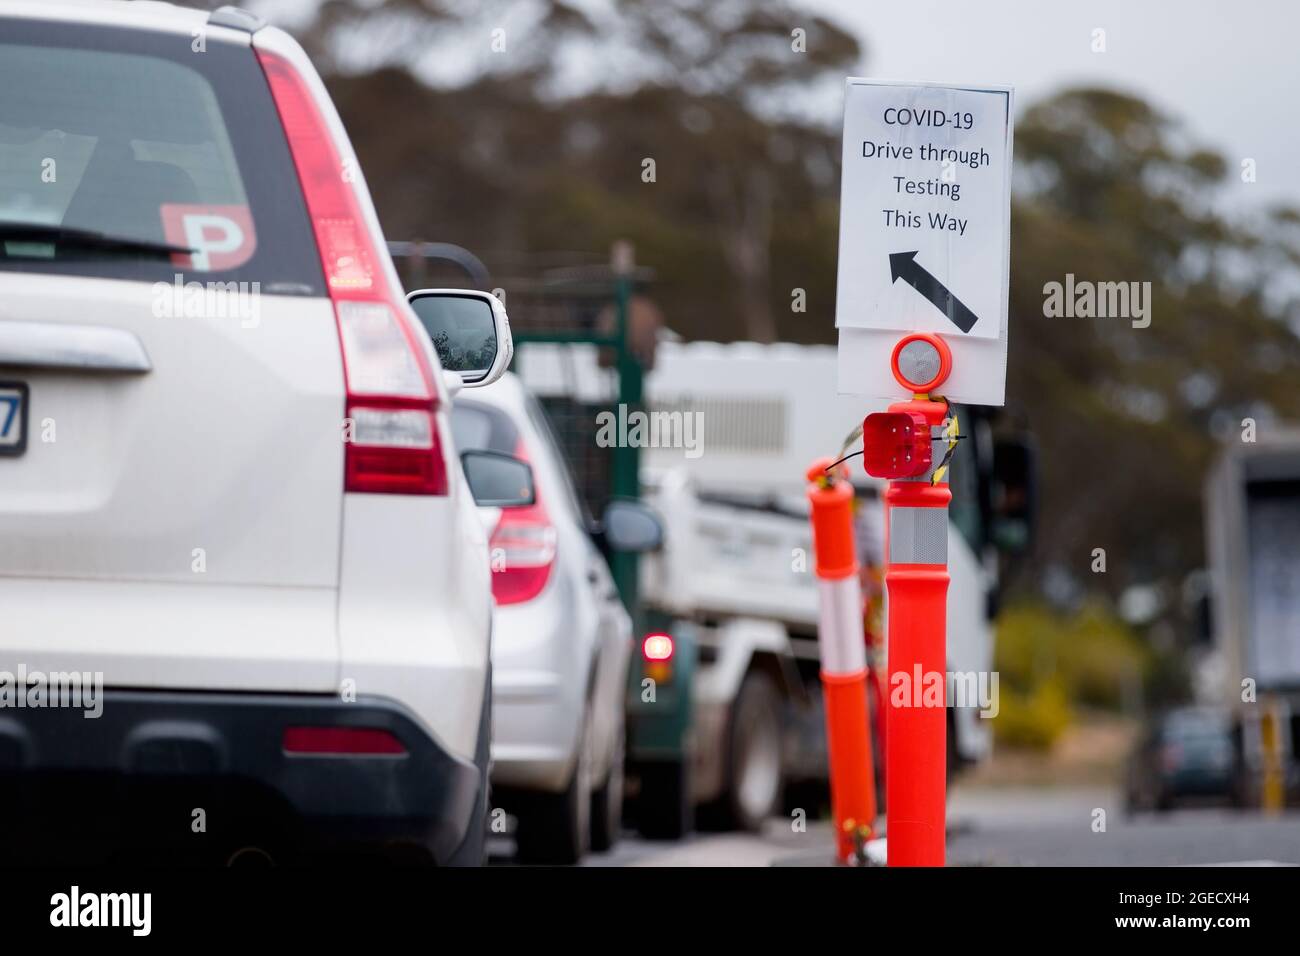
[[1252, 525], [736, 569]]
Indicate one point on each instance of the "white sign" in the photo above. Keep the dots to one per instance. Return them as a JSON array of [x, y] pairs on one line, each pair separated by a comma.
[[925, 209]]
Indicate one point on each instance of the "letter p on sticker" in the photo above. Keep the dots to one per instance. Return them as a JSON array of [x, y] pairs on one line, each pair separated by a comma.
[[222, 237]]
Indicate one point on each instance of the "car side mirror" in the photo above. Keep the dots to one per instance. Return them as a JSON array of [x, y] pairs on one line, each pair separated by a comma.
[[631, 526], [1015, 495], [498, 481], [469, 330]]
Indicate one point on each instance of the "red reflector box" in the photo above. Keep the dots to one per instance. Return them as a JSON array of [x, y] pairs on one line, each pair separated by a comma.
[[896, 445]]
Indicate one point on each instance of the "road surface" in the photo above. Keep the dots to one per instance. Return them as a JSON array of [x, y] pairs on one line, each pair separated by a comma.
[[1030, 827]]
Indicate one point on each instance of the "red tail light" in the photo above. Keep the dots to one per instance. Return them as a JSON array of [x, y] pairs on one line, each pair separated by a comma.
[[1171, 757], [393, 445], [657, 651], [657, 647], [341, 740], [522, 549]]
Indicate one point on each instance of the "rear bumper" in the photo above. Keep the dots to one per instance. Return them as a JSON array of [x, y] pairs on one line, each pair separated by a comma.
[[1191, 783], [143, 768]]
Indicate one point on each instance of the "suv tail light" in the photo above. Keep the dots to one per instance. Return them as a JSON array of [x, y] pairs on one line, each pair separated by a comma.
[[393, 445]]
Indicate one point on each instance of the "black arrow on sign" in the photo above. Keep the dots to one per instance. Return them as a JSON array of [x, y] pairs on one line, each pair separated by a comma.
[[902, 265]]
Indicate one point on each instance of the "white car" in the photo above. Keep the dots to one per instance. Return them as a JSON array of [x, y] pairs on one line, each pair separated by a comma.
[[562, 639], [233, 529]]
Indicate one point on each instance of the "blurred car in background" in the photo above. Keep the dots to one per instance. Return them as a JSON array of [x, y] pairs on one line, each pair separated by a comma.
[[250, 524], [562, 639], [1186, 753]]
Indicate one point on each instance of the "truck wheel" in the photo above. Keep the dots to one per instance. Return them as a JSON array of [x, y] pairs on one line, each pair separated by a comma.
[[554, 828], [607, 802], [754, 772], [663, 806]]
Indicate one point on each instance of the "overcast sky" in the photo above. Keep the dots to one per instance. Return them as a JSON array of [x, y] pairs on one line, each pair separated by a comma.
[[1229, 68]]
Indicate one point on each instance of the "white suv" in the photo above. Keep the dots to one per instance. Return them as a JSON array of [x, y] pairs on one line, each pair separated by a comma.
[[228, 493]]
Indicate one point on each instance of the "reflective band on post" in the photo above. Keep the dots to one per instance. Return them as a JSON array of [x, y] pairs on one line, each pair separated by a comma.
[[918, 535], [843, 649]]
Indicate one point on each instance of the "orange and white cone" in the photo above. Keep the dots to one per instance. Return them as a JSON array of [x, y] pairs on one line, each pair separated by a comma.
[[843, 658]]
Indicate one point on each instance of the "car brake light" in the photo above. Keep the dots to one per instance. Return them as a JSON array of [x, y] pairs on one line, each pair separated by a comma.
[[393, 445], [523, 549], [341, 740], [1171, 757], [657, 647]]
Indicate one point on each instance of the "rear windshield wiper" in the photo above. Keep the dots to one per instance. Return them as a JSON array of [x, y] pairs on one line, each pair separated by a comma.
[[85, 239]]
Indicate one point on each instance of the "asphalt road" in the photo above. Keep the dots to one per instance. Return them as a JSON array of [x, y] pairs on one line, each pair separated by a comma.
[[1008, 828], [1037, 828]]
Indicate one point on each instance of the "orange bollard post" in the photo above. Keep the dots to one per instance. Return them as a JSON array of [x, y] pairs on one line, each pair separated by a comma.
[[916, 582], [843, 658]]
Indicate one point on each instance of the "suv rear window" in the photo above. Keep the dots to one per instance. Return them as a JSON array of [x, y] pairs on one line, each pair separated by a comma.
[[136, 138]]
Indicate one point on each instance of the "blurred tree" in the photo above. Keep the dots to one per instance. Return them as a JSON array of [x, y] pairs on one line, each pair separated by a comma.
[[1050, 664], [505, 38], [1125, 415], [679, 142]]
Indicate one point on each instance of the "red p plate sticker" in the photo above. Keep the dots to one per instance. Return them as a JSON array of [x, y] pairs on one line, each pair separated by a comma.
[[222, 237]]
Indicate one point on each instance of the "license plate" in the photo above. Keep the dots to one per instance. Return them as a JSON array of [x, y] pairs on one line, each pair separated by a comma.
[[13, 418]]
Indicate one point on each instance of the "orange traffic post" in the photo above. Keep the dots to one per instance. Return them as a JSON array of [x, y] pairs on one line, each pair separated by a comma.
[[916, 583], [843, 658]]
